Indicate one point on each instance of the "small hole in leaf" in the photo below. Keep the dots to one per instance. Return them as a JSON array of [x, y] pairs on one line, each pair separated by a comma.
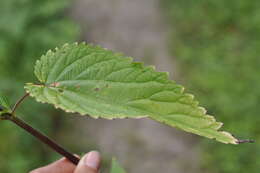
[[55, 84]]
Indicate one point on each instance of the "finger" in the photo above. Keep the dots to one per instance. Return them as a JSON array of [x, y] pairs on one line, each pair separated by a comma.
[[60, 166], [90, 163]]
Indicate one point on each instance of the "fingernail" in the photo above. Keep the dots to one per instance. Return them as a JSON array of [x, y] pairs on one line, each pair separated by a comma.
[[92, 159]]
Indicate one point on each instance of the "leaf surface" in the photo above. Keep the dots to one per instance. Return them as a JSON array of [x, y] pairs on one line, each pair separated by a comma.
[[4, 103], [116, 168], [97, 82]]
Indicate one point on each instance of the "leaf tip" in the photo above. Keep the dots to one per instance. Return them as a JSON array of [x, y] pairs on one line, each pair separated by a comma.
[[242, 141]]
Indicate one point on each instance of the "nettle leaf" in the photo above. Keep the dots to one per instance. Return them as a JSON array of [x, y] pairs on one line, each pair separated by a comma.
[[4, 104], [97, 82], [116, 168]]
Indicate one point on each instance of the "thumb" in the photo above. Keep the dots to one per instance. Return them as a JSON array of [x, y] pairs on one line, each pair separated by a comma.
[[90, 163]]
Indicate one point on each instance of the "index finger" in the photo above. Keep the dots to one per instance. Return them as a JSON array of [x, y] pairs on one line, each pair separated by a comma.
[[60, 166]]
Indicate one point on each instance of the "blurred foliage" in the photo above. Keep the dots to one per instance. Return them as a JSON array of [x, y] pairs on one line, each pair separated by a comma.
[[28, 28], [216, 44], [116, 168]]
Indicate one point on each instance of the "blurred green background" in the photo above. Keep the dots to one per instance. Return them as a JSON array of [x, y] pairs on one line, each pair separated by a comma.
[[217, 44], [28, 28], [213, 49]]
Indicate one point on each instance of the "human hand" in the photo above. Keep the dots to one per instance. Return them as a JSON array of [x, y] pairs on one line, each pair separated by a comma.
[[90, 163]]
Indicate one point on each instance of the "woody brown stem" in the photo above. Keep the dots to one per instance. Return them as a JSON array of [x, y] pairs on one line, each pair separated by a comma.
[[43, 138]]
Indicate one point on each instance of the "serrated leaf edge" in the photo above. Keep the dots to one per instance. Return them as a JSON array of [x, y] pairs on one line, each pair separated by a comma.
[[235, 141]]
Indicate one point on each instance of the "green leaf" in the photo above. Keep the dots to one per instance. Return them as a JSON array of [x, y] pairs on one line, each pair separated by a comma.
[[4, 104], [116, 168], [97, 82]]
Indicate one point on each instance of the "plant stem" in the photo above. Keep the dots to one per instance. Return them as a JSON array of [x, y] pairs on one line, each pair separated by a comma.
[[17, 104], [43, 138], [40, 136]]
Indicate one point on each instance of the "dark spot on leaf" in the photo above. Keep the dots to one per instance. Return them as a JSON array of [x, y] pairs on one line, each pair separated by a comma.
[[78, 86], [97, 89], [60, 90], [107, 85]]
